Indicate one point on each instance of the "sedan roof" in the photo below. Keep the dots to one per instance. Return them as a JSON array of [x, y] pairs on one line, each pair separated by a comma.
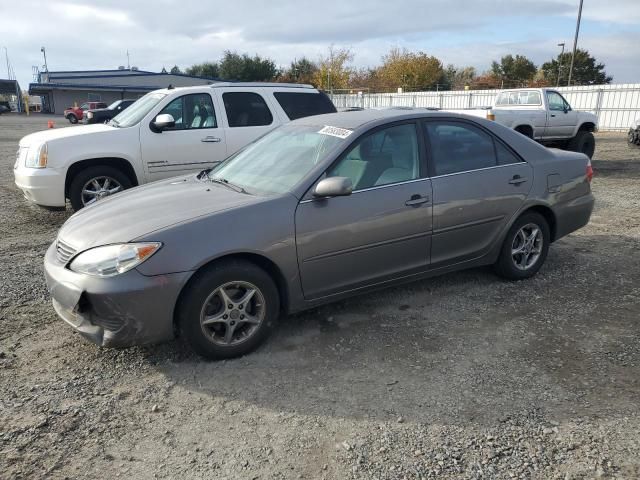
[[355, 119]]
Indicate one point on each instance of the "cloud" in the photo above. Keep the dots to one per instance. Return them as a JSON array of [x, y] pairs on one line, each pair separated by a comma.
[[85, 35], [94, 16]]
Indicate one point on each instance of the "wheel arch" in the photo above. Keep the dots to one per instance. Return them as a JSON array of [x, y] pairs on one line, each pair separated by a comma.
[[524, 129], [587, 127], [548, 215], [268, 265], [120, 163]]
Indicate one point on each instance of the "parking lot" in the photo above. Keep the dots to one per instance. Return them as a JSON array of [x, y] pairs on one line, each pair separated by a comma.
[[460, 376]]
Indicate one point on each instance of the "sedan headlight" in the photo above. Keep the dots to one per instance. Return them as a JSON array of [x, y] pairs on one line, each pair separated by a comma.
[[37, 157], [113, 260]]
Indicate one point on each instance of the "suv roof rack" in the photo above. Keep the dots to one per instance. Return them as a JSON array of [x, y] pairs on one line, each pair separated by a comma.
[[259, 84]]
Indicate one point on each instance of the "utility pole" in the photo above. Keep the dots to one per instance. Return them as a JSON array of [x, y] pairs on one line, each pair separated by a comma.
[[6, 56], [560, 63], [128, 63], [575, 43], [46, 68]]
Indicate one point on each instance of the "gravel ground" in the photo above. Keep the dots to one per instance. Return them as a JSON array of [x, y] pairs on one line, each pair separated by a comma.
[[462, 376]]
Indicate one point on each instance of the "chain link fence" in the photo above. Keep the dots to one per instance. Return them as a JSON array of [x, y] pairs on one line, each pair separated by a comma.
[[616, 106]]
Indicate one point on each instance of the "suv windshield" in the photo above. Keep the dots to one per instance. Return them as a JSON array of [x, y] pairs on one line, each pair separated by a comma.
[[278, 161], [114, 104], [136, 112]]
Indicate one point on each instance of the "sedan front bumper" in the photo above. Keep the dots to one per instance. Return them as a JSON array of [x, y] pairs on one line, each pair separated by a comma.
[[128, 309]]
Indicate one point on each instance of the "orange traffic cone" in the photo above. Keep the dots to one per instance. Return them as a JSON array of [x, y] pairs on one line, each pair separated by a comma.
[[50, 124]]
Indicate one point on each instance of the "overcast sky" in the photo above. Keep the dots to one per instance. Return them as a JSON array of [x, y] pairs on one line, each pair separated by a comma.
[[85, 35]]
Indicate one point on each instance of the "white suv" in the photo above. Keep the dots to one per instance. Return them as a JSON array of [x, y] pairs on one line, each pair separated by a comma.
[[166, 133]]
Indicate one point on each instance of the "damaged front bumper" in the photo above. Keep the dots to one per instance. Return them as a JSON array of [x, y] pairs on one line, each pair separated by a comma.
[[128, 309]]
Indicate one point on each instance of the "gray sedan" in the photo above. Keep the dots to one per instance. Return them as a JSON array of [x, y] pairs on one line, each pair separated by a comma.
[[317, 210]]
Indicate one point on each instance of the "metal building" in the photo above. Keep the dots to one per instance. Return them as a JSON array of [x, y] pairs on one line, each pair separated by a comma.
[[63, 89]]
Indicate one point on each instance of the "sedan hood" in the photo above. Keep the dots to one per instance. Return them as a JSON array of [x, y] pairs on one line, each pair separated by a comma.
[[142, 210], [56, 133]]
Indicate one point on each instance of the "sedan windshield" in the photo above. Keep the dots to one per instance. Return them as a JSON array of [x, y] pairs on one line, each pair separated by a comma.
[[278, 161], [137, 111]]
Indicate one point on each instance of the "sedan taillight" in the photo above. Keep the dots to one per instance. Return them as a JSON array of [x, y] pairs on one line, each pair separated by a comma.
[[589, 172]]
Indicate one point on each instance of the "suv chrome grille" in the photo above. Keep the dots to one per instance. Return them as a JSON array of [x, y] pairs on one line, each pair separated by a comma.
[[64, 251]]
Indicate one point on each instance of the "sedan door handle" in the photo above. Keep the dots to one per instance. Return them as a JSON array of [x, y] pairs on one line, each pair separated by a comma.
[[517, 180], [211, 139], [416, 200], [552, 116]]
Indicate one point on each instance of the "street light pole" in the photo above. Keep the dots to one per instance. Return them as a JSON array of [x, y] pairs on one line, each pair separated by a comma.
[[560, 63], [575, 43]]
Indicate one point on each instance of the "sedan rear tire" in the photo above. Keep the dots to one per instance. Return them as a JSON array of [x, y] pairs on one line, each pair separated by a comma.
[[525, 247], [228, 310]]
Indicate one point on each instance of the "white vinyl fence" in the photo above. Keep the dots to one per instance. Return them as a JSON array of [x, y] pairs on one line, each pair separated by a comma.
[[615, 105]]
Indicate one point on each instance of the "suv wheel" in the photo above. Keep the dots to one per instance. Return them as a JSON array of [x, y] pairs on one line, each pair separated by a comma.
[[583, 142], [525, 247], [228, 310], [95, 183]]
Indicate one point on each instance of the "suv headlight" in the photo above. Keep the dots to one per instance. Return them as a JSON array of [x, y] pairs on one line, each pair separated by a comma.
[[112, 260], [37, 157], [89, 114]]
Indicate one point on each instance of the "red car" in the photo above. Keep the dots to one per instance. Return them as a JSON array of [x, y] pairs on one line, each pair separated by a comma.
[[74, 114]]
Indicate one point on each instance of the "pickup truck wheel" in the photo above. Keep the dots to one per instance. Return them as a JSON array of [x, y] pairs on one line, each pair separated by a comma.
[[228, 309], [583, 142], [72, 118], [95, 183]]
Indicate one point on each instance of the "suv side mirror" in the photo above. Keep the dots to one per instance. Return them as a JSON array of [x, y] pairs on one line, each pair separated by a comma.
[[162, 122], [333, 187]]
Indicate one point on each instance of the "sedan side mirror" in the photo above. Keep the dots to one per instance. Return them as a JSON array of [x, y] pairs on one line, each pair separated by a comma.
[[333, 187], [162, 122]]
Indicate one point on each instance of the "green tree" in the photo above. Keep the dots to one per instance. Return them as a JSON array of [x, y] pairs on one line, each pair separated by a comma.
[[586, 70], [334, 69], [300, 71], [205, 69], [410, 70], [514, 71], [457, 78], [175, 69], [234, 66]]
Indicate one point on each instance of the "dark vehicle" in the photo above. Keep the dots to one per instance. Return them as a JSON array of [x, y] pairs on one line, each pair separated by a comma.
[[4, 107], [317, 210], [103, 115], [634, 133]]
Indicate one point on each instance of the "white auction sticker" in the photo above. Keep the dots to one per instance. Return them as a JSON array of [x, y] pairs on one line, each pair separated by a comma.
[[336, 132]]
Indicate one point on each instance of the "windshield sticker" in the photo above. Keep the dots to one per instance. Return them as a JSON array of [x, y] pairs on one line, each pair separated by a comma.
[[336, 132]]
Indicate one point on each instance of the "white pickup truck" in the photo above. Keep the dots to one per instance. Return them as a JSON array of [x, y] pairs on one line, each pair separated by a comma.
[[544, 115], [166, 133]]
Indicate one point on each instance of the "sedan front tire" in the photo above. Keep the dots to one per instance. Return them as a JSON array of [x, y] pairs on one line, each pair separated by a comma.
[[229, 309]]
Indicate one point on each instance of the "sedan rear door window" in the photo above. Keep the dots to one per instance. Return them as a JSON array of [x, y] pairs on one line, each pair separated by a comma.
[[459, 147]]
